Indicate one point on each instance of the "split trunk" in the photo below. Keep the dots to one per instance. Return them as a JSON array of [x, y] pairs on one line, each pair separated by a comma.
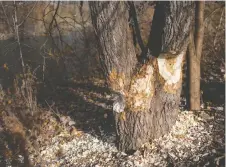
[[148, 94]]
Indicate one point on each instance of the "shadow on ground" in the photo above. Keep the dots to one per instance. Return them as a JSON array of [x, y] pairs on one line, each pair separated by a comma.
[[86, 103], [13, 150]]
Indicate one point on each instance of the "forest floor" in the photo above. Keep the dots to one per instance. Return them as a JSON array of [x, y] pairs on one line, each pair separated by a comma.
[[193, 141], [76, 129]]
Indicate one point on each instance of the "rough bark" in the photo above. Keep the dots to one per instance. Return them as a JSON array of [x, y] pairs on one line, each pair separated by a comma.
[[195, 52], [117, 55], [149, 105], [171, 26]]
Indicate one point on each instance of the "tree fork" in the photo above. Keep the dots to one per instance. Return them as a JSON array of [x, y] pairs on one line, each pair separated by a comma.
[[150, 94]]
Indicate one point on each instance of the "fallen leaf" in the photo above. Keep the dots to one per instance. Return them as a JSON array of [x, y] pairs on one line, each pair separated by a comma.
[[5, 66]]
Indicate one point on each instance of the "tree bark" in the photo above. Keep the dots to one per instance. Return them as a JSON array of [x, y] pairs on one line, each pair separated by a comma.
[[117, 54], [195, 52], [136, 27], [147, 97]]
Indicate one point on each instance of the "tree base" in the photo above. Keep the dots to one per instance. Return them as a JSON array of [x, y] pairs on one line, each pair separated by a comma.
[[135, 128]]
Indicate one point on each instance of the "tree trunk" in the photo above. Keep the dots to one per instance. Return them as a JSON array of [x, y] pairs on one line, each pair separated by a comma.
[[136, 27], [118, 58], [195, 51], [147, 100]]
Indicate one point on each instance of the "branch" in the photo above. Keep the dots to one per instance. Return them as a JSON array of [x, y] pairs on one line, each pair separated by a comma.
[[64, 18], [220, 21], [16, 27], [51, 23], [6, 16], [28, 14], [222, 7]]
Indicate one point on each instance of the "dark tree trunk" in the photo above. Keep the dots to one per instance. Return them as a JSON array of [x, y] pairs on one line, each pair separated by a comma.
[[148, 97], [136, 27]]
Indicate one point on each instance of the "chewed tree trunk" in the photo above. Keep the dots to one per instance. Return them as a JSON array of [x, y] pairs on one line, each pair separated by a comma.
[[148, 97]]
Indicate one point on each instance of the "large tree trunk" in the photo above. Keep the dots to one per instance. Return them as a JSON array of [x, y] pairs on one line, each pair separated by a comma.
[[194, 53], [118, 58], [148, 97]]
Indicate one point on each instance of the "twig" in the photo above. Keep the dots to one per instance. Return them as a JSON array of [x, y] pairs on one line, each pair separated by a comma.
[[44, 61], [64, 18], [50, 107], [8, 50], [10, 44], [35, 69], [16, 27], [214, 42], [6, 17], [212, 13], [77, 22], [28, 14], [51, 25], [27, 45]]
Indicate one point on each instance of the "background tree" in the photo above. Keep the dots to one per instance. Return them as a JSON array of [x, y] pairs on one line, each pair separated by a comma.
[[195, 52], [148, 94]]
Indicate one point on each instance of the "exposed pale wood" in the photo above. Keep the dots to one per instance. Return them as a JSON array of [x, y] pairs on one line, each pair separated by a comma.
[[150, 100]]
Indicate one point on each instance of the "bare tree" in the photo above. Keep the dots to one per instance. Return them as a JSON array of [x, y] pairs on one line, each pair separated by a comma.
[[195, 52], [147, 95]]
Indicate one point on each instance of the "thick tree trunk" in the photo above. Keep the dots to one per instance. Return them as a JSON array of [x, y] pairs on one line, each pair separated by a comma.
[[147, 102], [195, 52], [117, 54]]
